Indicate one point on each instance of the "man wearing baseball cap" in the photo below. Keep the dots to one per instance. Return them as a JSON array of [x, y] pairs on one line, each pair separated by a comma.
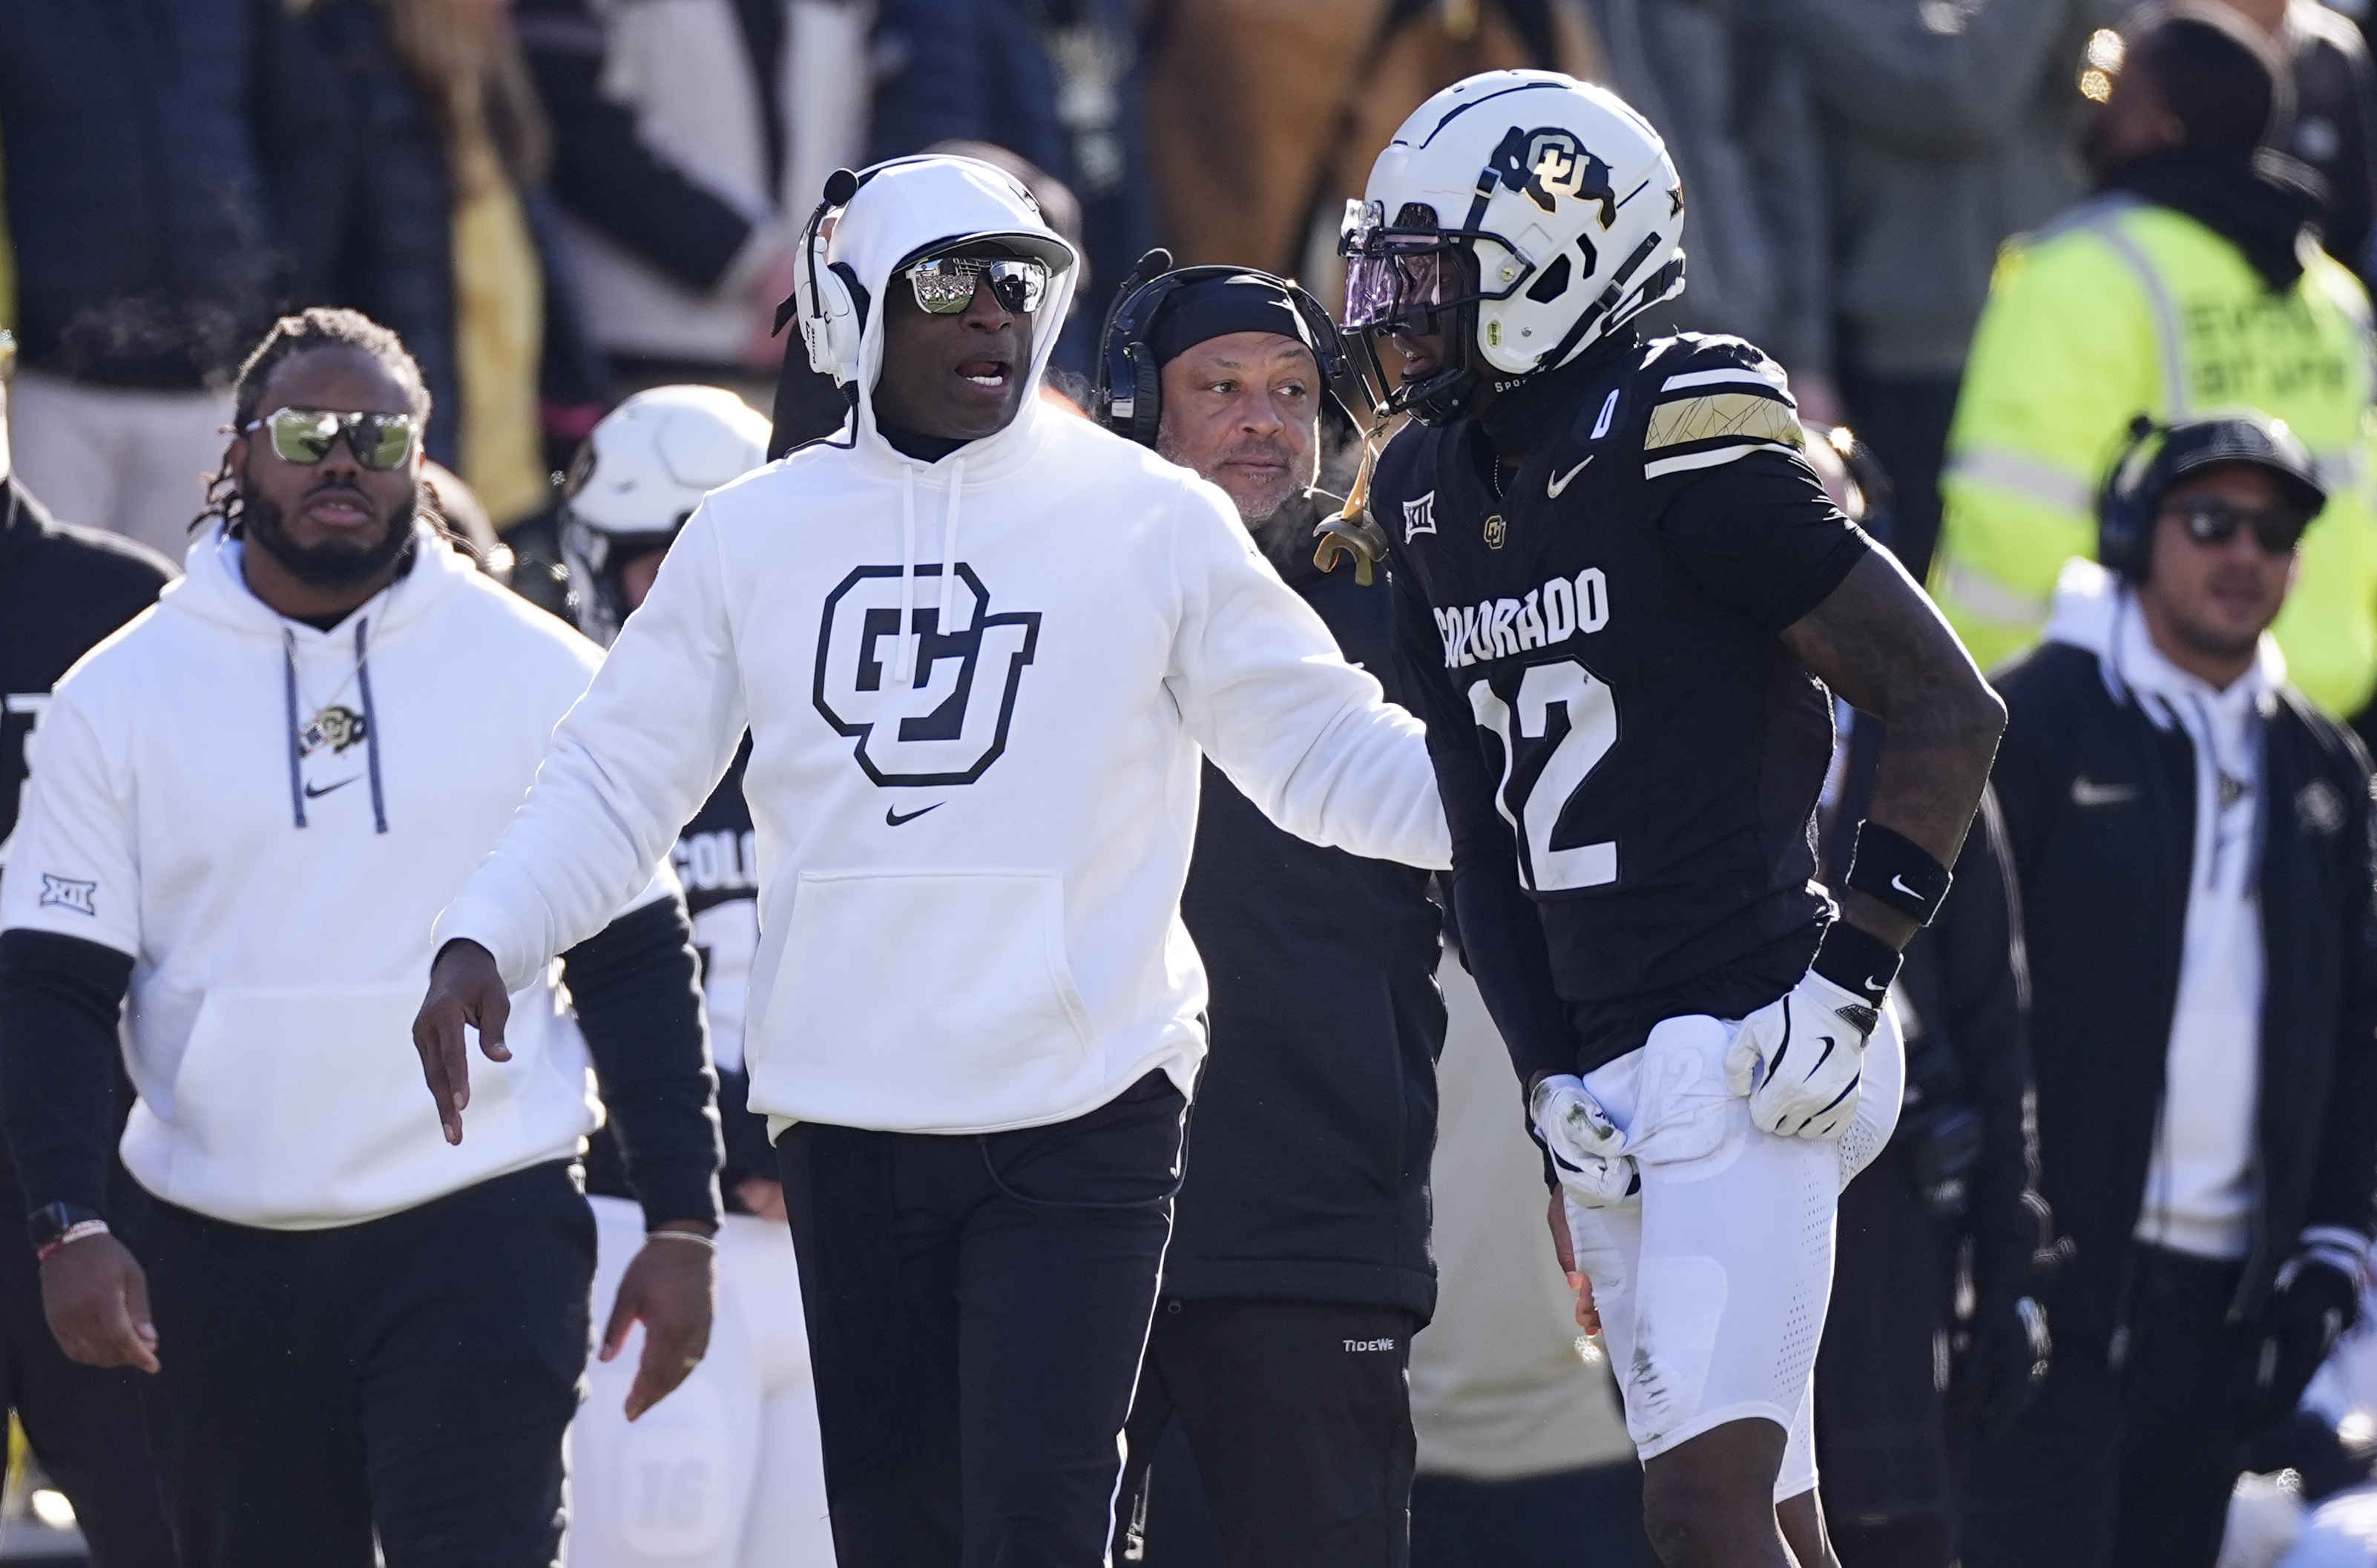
[[2192, 839]]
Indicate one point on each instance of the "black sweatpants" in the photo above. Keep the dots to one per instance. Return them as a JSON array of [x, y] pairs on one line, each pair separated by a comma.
[[2127, 1468], [84, 1422], [1299, 1416], [977, 1308], [410, 1376]]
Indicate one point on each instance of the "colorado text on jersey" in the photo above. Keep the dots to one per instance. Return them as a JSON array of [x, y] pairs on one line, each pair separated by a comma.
[[1496, 628]]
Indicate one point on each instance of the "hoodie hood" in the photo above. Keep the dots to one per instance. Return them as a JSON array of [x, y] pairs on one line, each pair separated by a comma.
[[905, 209], [913, 204], [214, 588], [2096, 612]]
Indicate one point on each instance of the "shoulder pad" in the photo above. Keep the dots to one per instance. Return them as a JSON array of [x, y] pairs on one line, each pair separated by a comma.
[[1704, 400]]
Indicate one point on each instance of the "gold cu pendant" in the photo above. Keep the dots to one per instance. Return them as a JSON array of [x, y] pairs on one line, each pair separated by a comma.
[[1496, 531]]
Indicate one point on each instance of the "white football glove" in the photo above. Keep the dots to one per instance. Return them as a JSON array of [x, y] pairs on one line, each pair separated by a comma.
[[1800, 1057], [1586, 1148]]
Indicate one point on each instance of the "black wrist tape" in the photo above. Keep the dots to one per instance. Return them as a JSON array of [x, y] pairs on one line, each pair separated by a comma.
[[1857, 960], [1900, 873]]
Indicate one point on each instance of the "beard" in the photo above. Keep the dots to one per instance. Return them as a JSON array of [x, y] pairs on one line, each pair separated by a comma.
[[333, 564]]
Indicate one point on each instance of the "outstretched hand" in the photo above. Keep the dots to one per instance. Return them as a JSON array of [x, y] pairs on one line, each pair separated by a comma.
[[669, 1289], [465, 987]]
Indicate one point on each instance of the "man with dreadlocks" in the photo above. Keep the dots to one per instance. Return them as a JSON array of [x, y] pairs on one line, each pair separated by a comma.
[[248, 807]]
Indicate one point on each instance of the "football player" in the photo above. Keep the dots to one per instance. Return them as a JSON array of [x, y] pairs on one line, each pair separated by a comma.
[[1624, 597]]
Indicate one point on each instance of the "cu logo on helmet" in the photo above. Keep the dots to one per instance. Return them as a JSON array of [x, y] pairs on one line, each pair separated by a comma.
[[1547, 164], [945, 721]]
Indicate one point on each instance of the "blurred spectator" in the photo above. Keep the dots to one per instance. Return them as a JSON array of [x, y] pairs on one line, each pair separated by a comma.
[[691, 139], [424, 209], [1263, 119], [2193, 841], [141, 209], [1946, 125], [2335, 94], [62, 589], [1936, 1329], [1731, 99], [1056, 82], [1524, 1456], [2182, 287]]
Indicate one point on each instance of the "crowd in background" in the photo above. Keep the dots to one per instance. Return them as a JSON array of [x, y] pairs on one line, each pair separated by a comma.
[[558, 203]]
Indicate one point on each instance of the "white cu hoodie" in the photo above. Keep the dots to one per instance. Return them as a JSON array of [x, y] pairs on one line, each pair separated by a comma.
[[972, 834], [267, 818], [2199, 1193]]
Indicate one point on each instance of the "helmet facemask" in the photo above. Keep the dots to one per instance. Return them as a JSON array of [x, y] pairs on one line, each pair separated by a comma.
[[1415, 277]]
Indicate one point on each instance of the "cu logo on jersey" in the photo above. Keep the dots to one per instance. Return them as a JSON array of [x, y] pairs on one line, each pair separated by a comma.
[[1549, 164], [947, 721]]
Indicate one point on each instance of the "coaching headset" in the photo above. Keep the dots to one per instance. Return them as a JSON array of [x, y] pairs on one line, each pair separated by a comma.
[[1128, 396], [2159, 456]]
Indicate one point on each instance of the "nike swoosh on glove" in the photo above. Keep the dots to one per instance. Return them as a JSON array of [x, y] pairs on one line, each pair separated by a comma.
[[1810, 1043], [1587, 1150]]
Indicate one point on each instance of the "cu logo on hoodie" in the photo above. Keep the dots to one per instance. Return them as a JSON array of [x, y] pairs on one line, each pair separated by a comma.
[[930, 705]]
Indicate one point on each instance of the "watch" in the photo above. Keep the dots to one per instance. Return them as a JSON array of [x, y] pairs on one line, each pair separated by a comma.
[[52, 1222]]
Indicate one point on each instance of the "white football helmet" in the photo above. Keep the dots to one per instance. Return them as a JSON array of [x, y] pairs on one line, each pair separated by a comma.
[[639, 475], [1542, 213]]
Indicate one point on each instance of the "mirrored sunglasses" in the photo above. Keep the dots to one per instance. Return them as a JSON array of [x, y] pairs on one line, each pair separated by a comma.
[[305, 437], [2277, 530], [944, 285]]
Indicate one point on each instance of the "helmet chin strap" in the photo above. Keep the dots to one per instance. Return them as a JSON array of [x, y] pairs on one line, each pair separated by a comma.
[[1443, 396]]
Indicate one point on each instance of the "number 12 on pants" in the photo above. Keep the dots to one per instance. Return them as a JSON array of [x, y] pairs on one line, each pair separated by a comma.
[[1533, 797]]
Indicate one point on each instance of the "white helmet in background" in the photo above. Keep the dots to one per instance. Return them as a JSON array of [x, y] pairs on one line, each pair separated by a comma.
[[640, 474], [1562, 196]]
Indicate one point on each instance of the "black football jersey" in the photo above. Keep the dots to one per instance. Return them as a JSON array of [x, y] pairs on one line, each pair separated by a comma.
[[1622, 736]]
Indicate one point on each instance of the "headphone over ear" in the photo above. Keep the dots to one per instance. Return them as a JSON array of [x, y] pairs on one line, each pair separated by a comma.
[[2125, 507], [1128, 396], [834, 313]]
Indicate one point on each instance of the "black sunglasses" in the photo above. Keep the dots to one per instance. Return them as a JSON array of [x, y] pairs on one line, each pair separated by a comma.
[[2276, 530], [305, 437]]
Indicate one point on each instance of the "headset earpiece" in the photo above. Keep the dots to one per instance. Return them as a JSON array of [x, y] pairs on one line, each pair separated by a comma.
[[2124, 511], [836, 307]]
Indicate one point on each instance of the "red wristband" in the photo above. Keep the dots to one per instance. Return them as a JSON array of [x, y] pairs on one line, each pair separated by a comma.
[[75, 1232]]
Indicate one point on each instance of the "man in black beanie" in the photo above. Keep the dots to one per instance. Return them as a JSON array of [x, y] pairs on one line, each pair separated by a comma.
[[1299, 1264]]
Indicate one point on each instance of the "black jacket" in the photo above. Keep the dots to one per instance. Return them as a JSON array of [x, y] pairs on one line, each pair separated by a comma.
[[140, 206], [2099, 807], [1314, 1121]]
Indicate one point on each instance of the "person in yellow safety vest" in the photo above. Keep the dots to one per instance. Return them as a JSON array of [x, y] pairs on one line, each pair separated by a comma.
[[2189, 282]]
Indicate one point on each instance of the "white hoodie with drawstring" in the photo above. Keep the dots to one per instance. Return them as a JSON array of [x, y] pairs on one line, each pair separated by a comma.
[[267, 818], [2198, 1193], [978, 690]]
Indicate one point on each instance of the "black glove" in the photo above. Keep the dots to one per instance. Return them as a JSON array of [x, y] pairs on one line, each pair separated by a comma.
[[2311, 1311], [2004, 1350], [2001, 1360]]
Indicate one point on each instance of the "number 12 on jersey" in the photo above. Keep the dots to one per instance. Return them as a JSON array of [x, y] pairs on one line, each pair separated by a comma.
[[1531, 798]]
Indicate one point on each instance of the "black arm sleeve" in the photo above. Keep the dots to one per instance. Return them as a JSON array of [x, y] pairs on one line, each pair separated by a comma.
[[638, 998], [1501, 936], [604, 173], [1986, 981], [60, 1000], [1760, 535]]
